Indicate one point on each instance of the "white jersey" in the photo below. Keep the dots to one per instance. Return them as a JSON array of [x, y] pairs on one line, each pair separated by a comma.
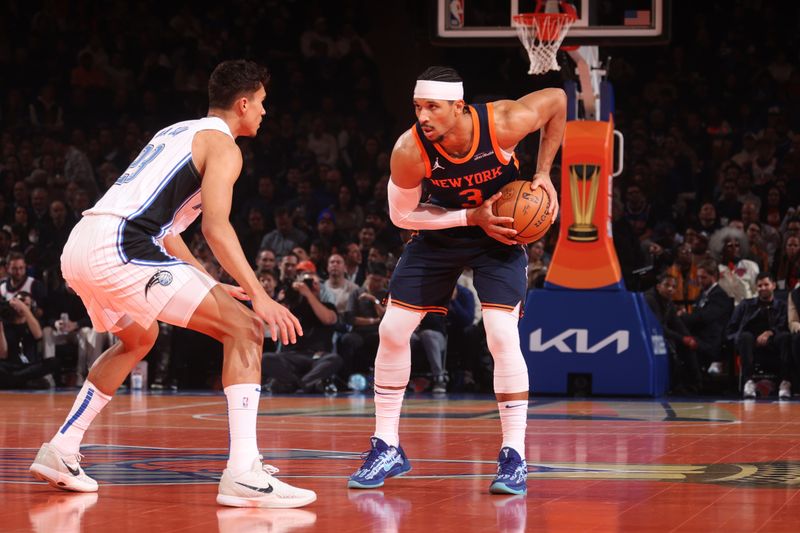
[[158, 194]]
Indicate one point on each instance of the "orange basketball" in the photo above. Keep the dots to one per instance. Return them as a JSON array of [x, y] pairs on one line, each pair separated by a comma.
[[527, 207]]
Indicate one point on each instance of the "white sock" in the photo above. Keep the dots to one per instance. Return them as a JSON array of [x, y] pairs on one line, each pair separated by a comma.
[[513, 419], [88, 405], [388, 404], [393, 369], [242, 413]]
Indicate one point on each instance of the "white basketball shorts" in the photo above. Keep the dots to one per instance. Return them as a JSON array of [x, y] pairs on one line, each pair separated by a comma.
[[116, 291]]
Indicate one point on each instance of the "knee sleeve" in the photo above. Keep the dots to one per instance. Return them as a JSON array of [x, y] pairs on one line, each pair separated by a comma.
[[502, 337], [393, 361]]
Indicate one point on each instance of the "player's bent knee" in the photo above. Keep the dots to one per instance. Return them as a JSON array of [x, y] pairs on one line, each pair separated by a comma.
[[138, 340], [397, 326], [247, 327]]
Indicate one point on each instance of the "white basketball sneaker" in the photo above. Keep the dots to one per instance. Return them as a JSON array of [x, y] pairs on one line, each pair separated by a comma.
[[259, 488], [61, 471], [785, 391]]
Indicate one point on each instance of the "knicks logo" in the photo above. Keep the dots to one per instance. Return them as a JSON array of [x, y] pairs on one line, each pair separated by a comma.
[[161, 277]]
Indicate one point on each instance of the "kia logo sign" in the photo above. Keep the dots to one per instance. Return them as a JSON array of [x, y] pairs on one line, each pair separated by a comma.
[[576, 340]]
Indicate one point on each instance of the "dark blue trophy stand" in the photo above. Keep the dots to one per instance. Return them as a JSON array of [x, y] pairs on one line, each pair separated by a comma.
[[593, 342]]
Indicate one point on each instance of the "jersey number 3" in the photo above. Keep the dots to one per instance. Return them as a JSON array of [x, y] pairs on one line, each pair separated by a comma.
[[472, 197], [144, 158]]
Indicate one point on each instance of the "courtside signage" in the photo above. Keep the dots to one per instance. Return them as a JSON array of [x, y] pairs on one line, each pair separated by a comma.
[[576, 340]]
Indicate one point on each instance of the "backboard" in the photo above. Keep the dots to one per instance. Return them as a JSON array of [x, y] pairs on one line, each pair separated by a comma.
[[600, 22]]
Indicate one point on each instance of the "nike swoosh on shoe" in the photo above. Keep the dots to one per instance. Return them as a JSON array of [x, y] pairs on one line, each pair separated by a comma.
[[74, 471], [257, 489]]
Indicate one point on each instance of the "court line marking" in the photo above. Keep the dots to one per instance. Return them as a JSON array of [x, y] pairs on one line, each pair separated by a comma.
[[538, 431], [154, 409]]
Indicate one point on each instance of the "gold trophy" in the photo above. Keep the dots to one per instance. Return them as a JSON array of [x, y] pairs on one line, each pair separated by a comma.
[[583, 187]]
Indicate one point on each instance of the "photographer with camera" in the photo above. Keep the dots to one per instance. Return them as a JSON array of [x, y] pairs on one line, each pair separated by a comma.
[[19, 281], [309, 364], [21, 362], [365, 309]]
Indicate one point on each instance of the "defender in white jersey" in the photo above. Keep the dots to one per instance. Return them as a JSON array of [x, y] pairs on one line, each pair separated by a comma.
[[129, 264]]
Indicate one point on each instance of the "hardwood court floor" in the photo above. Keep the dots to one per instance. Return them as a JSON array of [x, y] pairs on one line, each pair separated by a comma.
[[599, 465]]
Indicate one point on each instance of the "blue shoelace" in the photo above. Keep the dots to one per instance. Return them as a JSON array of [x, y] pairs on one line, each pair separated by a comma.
[[507, 468]]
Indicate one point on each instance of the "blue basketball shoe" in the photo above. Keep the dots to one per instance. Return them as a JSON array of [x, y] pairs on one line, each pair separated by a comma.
[[512, 474], [382, 461]]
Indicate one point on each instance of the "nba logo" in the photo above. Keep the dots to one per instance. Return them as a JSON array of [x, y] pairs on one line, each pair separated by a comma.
[[456, 13]]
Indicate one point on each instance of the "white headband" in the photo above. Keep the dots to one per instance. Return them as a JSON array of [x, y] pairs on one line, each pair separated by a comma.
[[439, 90]]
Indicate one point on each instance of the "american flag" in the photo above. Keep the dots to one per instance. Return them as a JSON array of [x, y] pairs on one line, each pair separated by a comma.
[[637, 17]]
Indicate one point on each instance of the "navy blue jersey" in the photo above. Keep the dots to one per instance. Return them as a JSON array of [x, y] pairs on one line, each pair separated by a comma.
[[456, 183]]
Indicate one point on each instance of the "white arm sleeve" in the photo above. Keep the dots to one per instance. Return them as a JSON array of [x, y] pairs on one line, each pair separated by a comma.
[[406, 211]]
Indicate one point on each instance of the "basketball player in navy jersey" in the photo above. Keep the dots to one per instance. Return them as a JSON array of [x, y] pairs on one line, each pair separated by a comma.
[[129, 264], [455, 159]]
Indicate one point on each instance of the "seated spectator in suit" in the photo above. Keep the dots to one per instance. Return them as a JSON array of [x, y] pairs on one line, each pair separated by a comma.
[[678, 337], [793, 305], [309, 364], [759, 326], [707, 320]]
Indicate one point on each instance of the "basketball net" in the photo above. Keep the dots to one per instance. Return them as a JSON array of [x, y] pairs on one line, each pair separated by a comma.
[[542, 32]]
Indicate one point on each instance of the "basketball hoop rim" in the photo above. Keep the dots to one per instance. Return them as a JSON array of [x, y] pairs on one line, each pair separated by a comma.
[[529, 19]]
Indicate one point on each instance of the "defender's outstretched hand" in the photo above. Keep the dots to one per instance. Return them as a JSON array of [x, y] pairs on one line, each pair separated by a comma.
[[542, 179], [279, 320], [493, 225]]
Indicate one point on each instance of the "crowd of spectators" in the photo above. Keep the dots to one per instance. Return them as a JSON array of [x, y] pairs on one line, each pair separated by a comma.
[[709, 198], [706, 214]]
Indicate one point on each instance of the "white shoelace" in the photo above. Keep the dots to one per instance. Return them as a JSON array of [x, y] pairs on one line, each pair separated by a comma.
[[77, 457], [269, 469]]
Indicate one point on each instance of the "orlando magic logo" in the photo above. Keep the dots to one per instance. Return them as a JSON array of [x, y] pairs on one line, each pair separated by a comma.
[[161, 277]]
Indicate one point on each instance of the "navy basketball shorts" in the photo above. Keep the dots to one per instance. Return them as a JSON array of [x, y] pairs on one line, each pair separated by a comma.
[[430, 265]]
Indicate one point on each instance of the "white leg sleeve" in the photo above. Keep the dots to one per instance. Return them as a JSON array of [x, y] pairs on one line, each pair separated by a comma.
[[502, 336]]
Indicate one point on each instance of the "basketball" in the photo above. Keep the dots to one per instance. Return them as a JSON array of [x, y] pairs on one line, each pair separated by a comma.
[[527, 207]]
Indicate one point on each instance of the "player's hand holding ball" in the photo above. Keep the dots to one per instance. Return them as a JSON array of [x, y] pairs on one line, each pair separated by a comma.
[[542, 179], [497, 227]]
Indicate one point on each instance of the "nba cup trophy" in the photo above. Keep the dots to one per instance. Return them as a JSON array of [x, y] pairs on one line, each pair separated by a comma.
[[584, 182]]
